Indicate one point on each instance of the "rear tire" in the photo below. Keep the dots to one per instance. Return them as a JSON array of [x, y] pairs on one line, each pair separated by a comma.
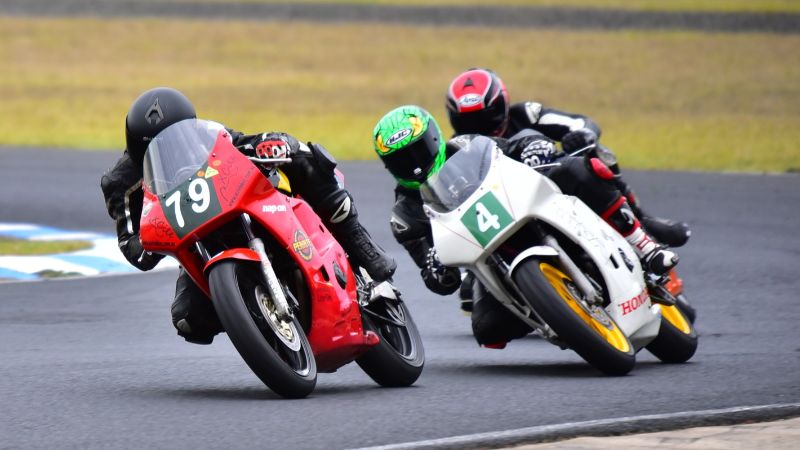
[[398, 359], [277, 351], [676, 341], [590, 332], [686, 308]]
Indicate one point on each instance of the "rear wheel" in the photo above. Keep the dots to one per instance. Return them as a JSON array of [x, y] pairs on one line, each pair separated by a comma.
[[276, 350], [676, 341], [398, 359], [686, 308], [586, 329]]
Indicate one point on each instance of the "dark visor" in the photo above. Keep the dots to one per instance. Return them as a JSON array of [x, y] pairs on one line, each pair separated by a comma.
[[486, 121], [414, 161]]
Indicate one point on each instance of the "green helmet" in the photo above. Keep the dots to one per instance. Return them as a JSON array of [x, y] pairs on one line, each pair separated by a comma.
[[409, 142]]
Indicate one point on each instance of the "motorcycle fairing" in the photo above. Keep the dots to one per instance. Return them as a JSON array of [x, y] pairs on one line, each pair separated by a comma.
[[458, 245], [336, 333]]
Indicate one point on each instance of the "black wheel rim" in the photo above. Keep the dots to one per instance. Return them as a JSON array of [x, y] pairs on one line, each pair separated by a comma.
[[389, 320], [282, 336]]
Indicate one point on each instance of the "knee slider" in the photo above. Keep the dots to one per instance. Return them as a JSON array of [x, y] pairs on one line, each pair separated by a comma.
[[600, 169]]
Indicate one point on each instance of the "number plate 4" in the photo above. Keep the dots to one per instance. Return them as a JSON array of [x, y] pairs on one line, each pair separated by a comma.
[[486, 218]]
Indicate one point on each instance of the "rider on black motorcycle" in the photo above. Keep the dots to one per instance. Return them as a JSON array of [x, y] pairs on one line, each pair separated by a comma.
[[409, 142], [477, 103], [311, 173]]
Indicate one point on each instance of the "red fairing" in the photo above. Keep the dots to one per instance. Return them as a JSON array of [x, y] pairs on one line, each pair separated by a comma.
[[475, 90], [336, 333], [674, 284]]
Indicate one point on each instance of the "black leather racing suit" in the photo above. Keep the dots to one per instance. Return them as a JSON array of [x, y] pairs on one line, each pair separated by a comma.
[[312, 176], [550, 122], [556, 125], [491, 322]]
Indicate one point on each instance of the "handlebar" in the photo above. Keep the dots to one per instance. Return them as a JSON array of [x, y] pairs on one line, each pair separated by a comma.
[[270, 160], [584, 149]]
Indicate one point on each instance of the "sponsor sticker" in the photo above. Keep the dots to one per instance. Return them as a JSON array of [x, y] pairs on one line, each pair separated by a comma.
[[399, 136], [635, 303], [469, 100], [210, 172], [302, 245], [272, 209]]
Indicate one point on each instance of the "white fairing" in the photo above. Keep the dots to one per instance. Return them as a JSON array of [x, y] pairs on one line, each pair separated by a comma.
[[525, 194]]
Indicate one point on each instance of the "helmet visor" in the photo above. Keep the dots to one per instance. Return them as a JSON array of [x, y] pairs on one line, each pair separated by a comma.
[[488, 121], [415, 160]]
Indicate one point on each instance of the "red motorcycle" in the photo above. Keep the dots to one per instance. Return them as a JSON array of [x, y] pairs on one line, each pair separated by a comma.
[[287, 295]]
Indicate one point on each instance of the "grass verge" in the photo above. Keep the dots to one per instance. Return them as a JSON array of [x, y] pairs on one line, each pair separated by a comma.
[[672, 100], [22, 247]]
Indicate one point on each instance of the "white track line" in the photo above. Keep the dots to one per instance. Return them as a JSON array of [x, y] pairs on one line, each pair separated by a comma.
[[602, 427]]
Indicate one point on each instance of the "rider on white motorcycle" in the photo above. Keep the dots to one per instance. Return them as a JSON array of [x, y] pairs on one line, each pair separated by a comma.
[[478, 103], [410, 144], [311, 173]]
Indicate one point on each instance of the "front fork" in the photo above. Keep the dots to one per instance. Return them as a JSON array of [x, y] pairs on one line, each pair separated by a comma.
[[282, 309]]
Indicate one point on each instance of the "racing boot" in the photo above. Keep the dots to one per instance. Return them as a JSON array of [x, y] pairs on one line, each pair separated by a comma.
[[666, 231], [655, 258], [465, 292], [193, 314], [356, 241]]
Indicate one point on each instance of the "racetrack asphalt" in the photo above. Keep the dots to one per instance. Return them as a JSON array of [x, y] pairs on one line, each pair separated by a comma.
[[493, 16], [94, 363], [91, 363]]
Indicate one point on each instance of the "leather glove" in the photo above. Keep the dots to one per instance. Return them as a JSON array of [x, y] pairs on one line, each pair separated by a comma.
[[136, 254], [275, 145], [439, 278], [578, 139], [537, 151]]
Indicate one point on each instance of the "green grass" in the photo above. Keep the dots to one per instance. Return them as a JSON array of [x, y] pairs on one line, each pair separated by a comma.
[[674, 100], [21, 247]]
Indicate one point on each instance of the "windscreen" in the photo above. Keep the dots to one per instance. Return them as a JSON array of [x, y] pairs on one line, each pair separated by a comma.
[[460, 176], [177, 152]]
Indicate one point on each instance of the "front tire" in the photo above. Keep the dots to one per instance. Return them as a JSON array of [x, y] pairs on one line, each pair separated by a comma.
[[277, 351], [587, 330], [397, 360], [676, 341]]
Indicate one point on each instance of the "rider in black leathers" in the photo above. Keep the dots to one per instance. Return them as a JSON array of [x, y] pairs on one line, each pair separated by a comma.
[[409, 142], [310, 172], [478, 103]]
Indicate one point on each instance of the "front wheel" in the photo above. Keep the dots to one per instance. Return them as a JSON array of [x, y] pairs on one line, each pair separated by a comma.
[[586, 329], [397, 360], [676, 341], [276, 350]]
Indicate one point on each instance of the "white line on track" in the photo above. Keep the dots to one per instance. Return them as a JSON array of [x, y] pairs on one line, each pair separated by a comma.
[[602, 427]]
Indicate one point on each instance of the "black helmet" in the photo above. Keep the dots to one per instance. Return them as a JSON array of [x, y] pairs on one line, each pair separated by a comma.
[[153, 111]]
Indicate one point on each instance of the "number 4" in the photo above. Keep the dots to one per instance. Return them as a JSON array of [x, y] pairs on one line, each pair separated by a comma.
[[486, 219]]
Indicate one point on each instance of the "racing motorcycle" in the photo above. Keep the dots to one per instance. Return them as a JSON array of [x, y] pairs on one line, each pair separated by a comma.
[[290, 300], [552, 261]]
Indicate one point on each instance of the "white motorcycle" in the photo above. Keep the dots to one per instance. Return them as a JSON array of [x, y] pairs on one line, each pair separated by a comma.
[[552, 261]]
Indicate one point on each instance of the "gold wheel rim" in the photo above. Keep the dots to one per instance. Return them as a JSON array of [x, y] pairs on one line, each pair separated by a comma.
[[675, 317], [610, 332]]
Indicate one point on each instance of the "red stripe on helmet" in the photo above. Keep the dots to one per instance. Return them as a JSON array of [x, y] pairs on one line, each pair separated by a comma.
[[469, 91]]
